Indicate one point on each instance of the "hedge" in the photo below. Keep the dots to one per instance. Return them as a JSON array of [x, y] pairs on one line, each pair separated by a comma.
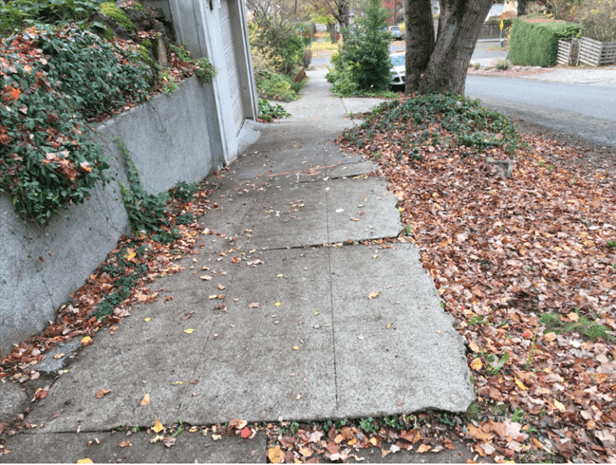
[[534, 41]]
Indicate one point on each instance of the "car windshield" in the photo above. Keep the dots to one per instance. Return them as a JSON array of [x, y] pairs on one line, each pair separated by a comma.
[[397, 60]]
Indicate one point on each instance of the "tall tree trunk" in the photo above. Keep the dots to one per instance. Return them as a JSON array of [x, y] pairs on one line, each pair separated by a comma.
[[454, 47], [331, 28], [419, 40], [522, 7]]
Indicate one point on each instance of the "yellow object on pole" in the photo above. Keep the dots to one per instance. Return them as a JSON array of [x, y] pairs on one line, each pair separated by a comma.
[[501, 24]]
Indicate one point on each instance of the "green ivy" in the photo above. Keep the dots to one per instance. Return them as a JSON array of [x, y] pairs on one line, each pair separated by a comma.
[[204, 69], [147, 213], [51, 83], [16, 13], [471, 124], [268, 112]]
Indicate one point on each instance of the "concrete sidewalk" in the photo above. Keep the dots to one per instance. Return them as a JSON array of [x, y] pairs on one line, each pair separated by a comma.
[[308, 325]]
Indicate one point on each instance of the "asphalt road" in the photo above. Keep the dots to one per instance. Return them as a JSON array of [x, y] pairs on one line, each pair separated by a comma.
[[584, 110], [587, 111]]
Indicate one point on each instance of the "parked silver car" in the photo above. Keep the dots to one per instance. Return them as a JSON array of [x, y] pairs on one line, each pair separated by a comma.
[[398, 69], [395, 32]]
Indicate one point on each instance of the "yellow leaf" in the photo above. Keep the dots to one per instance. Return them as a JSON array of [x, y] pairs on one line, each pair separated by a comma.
[[158, 426], [177, 383], [476, 364], [520, 384], [189, 331], [146, 400], [277, 304], [275, 455], [373, 441], [559, 406], [373, 295], [147, 319], [573, 316], [86, 340], [84, 461], [295, 347]]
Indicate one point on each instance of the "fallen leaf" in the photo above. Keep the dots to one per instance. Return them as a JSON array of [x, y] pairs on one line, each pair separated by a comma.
[[86, 341], [245, 433], [275, 455], [59, 356], [237, 423], [102, 393], [476, 364], [126, 443], [373, 295], [277, 304], [189, 331], [253, 304], [423, 448], [158, 426], [146, 400], [84, 461]]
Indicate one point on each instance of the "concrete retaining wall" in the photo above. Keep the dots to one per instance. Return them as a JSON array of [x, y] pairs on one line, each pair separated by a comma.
[[170, 139]]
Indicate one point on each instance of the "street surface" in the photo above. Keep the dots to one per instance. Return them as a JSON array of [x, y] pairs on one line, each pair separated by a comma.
[[587, 111], [582, 104]]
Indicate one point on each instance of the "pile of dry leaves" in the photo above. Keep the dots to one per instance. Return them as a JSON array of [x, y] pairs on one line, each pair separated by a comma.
[[527, 267]]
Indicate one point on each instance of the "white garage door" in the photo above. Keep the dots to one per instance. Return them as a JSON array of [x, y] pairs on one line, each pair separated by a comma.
[[231, 60]]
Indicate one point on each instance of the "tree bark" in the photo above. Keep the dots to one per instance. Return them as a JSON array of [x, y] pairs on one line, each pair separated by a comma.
[[460, 25], [522, 7], [419, 39], [331, 28]]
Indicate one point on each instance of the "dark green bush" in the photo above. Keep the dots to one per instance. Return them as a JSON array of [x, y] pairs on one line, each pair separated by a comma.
[[534, 41], [14, 13], [364, 64], [47, 160], [278, 86], [280, 42]]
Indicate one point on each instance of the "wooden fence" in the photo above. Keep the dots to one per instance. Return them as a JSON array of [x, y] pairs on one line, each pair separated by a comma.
[[595, 53], [568, 52]]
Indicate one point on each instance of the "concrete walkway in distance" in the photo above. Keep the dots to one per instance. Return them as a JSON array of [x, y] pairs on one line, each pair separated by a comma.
[[309, 325]]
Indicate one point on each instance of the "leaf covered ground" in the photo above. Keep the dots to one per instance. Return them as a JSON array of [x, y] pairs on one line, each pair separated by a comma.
[[526, 265]]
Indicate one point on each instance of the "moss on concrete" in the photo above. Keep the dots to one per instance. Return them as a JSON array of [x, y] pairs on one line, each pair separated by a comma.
[[116, 14]]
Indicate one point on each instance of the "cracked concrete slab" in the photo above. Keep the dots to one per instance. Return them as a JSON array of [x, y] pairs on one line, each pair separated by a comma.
[[318, 345]]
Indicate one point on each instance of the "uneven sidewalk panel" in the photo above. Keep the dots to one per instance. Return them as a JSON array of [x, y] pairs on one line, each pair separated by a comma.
[[355, 209], [263, 378], [388, 316], [361, 209], [161, 370]]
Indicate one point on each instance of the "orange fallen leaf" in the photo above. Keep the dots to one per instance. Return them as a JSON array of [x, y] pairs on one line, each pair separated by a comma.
[[84, 461], [423, 448], [253, 304], [102, 393], [275, 455], [126, 443], [245, 433], [146, 400]]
